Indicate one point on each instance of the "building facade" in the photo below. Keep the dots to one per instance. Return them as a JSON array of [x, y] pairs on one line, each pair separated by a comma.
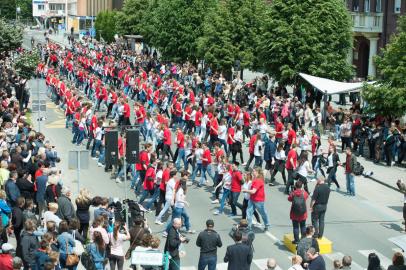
[[374, 21], [52, 13]]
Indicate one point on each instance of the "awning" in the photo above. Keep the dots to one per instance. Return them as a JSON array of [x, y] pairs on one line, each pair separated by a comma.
[[331, 87]]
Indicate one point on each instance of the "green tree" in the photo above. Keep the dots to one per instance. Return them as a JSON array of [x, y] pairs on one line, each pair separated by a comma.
[[178, 26], [11, 36], [387, 96], [306, 36], [216, 45], [8, 9], [106, 25], [240, 23], [27, 63], [130, 18]]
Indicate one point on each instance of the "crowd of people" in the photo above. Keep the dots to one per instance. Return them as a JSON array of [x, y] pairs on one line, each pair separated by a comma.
[[193, 124]]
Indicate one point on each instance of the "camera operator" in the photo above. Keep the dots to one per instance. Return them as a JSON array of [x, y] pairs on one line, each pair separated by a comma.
[[248, 235], [173, 242]]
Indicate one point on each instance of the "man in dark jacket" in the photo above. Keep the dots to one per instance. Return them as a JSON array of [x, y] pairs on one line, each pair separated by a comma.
[[248, 235], [29, 244], [12, 190], [238, 256], [173, 241], [17, 221], [269, 153], [66, 210], [41, 183], [208, 241]]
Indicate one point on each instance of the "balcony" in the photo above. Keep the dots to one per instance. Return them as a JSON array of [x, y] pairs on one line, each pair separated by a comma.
[[367, 22]]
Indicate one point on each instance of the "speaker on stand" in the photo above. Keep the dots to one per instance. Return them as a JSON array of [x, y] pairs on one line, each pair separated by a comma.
[[111, 148], [132, 146]]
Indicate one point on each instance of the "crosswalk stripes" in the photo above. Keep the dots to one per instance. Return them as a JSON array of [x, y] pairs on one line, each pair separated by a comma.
[[385, 262], [260, 264], [339, 256]]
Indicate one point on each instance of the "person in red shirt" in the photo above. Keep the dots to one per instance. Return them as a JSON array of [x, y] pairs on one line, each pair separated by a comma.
[[198, 120], [257, 198], [214, 130], [151, 183], [126, 113], [291, 137], [246, 120], [167, 139], [206, 164], [291, 165], [142, 166], [180, 142], [236, 182], [251, 147], [298, 219], [162, 187], [279, 128]]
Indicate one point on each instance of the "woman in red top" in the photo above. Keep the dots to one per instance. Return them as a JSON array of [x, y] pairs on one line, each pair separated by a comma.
[[298, 211]]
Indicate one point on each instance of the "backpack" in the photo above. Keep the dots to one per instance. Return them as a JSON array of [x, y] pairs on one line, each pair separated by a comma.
[[299, 205], [358, 168], [87, 259]]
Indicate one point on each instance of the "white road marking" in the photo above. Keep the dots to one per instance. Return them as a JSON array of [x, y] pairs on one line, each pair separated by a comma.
[[222, 266], [188, 268], [273, 237], [385, 261]]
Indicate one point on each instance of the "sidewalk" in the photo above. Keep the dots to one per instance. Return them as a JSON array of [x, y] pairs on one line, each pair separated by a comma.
[[382, 174]]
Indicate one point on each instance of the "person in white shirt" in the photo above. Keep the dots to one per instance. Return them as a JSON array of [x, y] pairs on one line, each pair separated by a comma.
[[304, 168], [222, 136], [226, 183], [117, 240], [198, 156], [169, 196], [258, 151], [98, 133], [280, 159], [50, 215]]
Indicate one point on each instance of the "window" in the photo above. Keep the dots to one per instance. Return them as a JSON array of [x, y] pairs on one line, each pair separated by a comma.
[[355, 5], [367, 7], [41, 7], [56, 7], [398, 4], [378, 6]]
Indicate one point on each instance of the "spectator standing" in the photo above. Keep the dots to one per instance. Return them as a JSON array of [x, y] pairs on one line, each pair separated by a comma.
[[398, 262], [83, 202], [97, 250], [117, 240], [17, 222], [66, 244], [12, 190], [349, 165], [29, 244], [173, 241], [6, 259], [316, 260], [318, 206], [238, 256], [66, 210], [298, 211], [208, 241]]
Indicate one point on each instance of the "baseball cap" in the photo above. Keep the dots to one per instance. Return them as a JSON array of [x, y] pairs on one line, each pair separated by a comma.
[[210, 223], [6, 247]]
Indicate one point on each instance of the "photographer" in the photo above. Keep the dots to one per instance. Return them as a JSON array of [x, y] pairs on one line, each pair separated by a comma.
[[173, 242], [248, 235]]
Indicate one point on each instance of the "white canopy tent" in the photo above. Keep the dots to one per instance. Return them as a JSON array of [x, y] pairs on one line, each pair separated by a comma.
[[331, 87]]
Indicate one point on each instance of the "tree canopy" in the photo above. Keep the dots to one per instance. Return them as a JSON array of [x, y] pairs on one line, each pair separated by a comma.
[[387, 96], [11, 36], [306, 36], [27, 63], [106, 25], [130, 18]]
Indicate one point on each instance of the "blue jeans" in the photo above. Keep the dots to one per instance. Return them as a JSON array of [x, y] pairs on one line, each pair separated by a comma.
[[258, 161], [209, 261], [101, 156], [226, 194], [350, 184], [179, 213], [296, 225], [181, 156], [153, 198], [209, 170], [69, 119], [163, 211], [252, 206], [96, 146], [224, 143], [197, 130], [337, 132]]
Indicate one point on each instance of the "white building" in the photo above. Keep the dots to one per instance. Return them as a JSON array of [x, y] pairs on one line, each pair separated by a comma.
[[52, 13]]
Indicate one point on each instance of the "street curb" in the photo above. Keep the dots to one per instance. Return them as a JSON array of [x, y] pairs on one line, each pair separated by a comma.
[[383, 183]]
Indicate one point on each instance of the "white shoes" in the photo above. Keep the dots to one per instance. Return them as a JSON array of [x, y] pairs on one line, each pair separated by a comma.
[[158, 222], [215, 201]]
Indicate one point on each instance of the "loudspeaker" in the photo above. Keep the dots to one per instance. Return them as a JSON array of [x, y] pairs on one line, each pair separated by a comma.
[[132, 146], [111, 148]]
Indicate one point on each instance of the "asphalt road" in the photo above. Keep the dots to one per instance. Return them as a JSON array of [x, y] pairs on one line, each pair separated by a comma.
[[356, 225]]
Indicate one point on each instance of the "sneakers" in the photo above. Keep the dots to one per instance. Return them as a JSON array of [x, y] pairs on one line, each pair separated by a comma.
[[191, 231], [217, 212], [215, 201], [118, 180], [100, 164], [158, 222]]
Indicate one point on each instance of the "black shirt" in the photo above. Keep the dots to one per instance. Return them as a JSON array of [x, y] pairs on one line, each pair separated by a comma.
[[208, 241], [317, 264], [321, 194]]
